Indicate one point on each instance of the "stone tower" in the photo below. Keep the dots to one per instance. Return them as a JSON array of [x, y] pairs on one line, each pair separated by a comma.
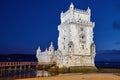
[[75, 39]]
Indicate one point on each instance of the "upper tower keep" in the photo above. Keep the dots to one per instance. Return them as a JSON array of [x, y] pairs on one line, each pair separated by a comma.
[[76, 14]]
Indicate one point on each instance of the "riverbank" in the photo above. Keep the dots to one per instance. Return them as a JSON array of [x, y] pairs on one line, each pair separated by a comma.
[[80, 76]]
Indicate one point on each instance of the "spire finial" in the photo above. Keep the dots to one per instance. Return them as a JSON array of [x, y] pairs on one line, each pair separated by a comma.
[[46, 50], [61, 12], [88, 10], [71, 3], [51, 44], [39, 48], [71, 6]]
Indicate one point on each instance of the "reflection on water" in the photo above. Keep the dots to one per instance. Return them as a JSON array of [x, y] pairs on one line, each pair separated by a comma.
[[12, 74], [42, 73]]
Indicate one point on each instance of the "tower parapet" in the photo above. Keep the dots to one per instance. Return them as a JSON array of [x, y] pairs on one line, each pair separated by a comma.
[[76, 14]]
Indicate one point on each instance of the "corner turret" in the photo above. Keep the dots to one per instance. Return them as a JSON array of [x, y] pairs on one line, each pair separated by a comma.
[[38, 52], [51, 48], [71, 6], [89, 10], [46, 50]]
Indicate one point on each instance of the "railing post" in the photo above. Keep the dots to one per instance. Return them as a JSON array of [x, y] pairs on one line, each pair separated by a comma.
[[43, 70], [0, 71], [15, 69], [28, 67], [36, 67], [20, 68], [9, 70]]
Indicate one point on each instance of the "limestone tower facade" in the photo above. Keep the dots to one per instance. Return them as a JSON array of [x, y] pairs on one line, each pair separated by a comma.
[[75, 39]]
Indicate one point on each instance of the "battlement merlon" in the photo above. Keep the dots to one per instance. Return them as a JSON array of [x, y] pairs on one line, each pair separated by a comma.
[[78, 14]]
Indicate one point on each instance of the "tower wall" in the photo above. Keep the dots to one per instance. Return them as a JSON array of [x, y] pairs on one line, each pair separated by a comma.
[[76, 37]]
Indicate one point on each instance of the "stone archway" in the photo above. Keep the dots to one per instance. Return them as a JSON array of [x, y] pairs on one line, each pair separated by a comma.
[[70, 46], [92, 48]]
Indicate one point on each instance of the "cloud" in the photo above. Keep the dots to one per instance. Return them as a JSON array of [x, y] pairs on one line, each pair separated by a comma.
[[116, 25]]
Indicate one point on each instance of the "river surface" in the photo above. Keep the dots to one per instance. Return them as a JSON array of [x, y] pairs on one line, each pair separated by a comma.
[[19, 74]]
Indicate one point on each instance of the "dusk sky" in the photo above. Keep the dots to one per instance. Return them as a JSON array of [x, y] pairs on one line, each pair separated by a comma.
[[27, 24]]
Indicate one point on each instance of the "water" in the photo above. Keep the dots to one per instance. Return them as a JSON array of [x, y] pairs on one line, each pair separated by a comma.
[[18, 74], [108, 64], [40, 73], [6, 74]]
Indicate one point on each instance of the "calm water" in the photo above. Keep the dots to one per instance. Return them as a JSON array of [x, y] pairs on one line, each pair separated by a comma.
[[11, 75], [108, 64]]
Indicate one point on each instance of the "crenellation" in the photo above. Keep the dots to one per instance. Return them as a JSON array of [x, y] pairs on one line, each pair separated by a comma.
[[76, 14], [65, 13], [81, 11]]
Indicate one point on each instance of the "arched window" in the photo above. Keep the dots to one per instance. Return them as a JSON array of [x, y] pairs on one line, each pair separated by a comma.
[[92, 46], [81, 29], [64, 47], [82, 36], [70, 44], [82, 46]]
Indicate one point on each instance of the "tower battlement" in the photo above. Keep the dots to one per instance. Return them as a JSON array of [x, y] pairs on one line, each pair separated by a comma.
[[76, 14]]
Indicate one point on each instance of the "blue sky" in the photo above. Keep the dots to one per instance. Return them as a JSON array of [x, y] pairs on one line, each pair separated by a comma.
[[27, 24]]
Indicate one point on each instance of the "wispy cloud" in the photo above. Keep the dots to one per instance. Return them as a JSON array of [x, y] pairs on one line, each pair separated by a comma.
[[116, 25]]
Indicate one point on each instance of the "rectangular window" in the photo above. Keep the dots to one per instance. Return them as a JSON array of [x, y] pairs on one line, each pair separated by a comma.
[[64, 47], [82, 46]]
